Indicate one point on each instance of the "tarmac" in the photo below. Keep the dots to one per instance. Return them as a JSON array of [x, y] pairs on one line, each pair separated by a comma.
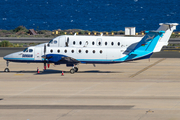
[[138, 90]]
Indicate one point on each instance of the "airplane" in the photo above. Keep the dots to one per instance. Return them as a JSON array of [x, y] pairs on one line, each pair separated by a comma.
[[73, 50]]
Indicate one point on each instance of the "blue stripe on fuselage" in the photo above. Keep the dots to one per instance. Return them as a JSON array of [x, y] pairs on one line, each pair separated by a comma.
[[22, 60], [90, 61]]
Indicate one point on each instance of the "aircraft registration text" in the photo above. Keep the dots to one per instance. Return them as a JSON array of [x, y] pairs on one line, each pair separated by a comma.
[[27, 55]]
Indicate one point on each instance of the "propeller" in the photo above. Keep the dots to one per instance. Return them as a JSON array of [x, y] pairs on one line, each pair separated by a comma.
[[44, 56]]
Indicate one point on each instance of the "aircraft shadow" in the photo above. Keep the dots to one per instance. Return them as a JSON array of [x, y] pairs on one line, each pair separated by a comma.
[[51, 71], [19, 71], [97, 71]]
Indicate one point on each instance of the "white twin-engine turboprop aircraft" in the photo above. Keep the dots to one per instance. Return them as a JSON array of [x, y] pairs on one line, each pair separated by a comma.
[[72, 50]]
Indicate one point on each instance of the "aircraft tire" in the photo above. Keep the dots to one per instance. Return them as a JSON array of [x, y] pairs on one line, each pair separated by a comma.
[[72, 71], [6, 70], [75, 69]]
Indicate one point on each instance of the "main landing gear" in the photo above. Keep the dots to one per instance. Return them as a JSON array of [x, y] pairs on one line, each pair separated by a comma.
[[73, 70], [7, 69]]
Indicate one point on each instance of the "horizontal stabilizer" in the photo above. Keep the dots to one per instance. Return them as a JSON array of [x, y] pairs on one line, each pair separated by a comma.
[[168, 28]]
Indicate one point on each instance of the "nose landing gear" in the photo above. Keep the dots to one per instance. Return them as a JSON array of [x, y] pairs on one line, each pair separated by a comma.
[[7, 69]]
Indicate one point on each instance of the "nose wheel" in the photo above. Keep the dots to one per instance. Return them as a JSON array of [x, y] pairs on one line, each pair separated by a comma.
[[7, 69]]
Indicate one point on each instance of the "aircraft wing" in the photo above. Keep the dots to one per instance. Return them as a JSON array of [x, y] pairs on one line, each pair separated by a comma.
[[58, 59], [69, 60]]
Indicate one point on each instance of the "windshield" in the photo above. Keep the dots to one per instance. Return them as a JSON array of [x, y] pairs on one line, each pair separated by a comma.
[[25, 50], [50, 41]]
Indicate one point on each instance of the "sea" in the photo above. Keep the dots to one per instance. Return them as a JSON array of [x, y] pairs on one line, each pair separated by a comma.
[[92, 15]]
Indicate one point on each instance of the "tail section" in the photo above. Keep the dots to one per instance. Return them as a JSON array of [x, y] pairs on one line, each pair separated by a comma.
[[168, 28], [153, 41]]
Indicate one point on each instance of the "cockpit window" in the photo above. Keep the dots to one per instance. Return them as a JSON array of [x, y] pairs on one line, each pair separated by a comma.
[[25, 50], [51, 41], [30, 50], [55, 42]]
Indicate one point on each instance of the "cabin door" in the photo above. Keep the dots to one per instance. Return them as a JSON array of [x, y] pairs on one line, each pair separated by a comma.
[[62, 41], [37, 53]]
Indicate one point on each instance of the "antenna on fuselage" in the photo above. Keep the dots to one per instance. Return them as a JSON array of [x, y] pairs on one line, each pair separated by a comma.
[[101, 34], [74, 34]]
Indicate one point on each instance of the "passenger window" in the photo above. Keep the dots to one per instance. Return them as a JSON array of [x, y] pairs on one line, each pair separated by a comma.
[[79, 51], [80, 43], [86, 51], [58, 51], [74, 42], [94, 51], [65, 51], [118, 43], [55, 42], [99, 43], [93, 43], [30, 50], [72, 51], [101, 51], [105, 43], [112, 43], [51, 50]]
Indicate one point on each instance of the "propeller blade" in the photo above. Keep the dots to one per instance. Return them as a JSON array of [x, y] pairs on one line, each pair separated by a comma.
[[44, 56], [44, 49]]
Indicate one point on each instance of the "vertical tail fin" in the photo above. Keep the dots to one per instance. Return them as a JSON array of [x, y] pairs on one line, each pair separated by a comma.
[[168, 28], [153, 41]]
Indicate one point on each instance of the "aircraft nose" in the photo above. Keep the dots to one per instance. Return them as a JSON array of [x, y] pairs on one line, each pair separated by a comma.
[[7, 57], [11, 56]]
